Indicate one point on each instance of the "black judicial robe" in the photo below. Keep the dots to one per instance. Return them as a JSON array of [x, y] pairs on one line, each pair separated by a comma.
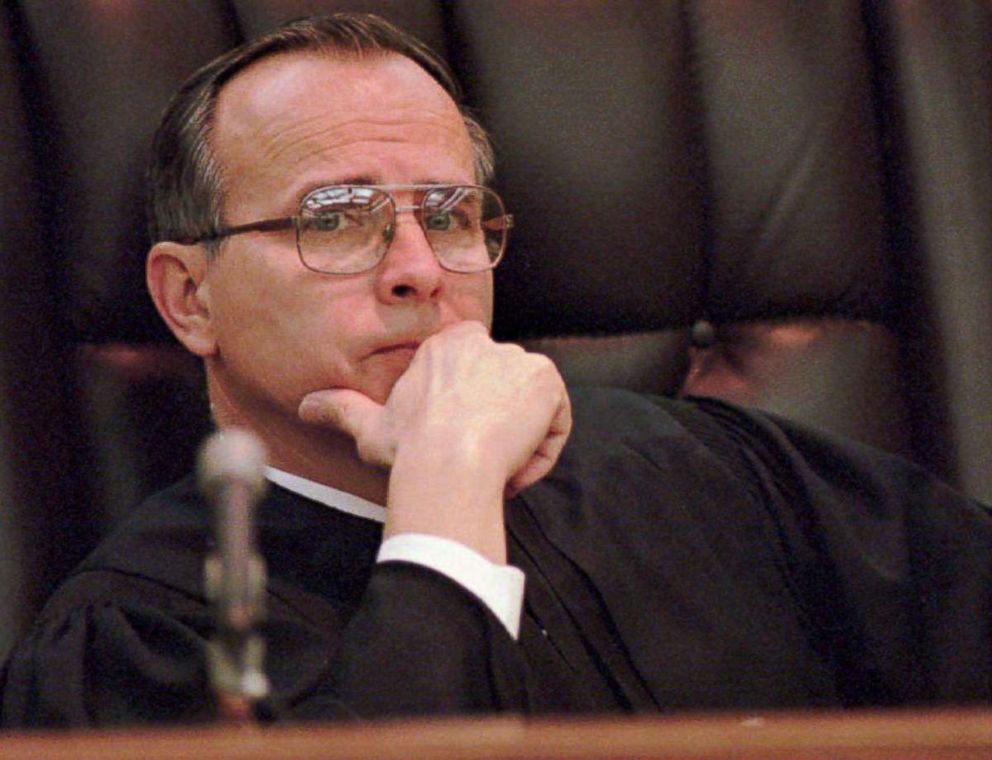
[[682, 555]]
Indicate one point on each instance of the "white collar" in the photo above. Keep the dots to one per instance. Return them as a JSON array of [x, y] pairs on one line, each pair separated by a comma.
[[331, 497]]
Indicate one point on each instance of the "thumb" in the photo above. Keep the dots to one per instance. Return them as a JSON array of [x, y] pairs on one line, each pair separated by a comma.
[[353, 413]]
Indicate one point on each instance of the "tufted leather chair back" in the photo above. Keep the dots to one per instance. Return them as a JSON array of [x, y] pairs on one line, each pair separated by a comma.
[[781, 203]]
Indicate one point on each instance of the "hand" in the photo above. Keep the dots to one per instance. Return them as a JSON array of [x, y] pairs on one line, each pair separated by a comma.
[[470, 421], [461, 389]]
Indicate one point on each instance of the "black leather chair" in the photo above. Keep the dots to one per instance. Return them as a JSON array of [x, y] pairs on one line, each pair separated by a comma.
[[787, 204]]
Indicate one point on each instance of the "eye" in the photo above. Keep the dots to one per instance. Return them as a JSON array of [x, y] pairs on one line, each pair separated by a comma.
[[325, 222], [440, 221], [346, 219]]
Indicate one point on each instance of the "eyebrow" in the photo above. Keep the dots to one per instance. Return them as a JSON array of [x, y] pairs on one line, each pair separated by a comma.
[[316, 185], [363, 179]]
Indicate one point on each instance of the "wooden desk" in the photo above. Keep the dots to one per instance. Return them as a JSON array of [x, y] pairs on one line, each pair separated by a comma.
[[935, 735]]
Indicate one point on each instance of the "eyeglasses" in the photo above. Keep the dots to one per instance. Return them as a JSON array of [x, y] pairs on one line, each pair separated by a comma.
[[347, 229]]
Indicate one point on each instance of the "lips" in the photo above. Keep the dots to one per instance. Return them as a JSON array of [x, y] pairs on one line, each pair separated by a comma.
[[405, 347], [397, 355]]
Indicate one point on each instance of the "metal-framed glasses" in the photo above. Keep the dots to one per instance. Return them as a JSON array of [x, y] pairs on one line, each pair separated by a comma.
[[347, 229]]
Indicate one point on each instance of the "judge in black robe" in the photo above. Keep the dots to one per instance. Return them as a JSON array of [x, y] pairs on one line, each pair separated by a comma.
[[681, 555]]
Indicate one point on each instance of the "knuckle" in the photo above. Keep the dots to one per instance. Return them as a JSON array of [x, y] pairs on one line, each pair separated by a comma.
[[367, 451], [546, 369]]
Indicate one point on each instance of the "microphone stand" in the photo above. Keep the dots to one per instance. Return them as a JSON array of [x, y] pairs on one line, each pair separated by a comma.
[[232, 474]]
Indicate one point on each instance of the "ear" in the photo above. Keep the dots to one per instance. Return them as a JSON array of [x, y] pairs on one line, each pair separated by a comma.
[[176, 279]]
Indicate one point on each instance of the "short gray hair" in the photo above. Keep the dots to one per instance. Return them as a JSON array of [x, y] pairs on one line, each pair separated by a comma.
[[186, 193]]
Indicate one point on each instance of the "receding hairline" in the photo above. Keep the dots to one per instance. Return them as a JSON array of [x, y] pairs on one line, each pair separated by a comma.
[[335, 54], [185, 191]]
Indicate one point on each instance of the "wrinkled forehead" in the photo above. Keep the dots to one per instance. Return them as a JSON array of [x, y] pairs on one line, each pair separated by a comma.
[[304, 106]]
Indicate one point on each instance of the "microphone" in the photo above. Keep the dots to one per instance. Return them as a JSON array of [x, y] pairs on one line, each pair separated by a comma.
[[231, 474]]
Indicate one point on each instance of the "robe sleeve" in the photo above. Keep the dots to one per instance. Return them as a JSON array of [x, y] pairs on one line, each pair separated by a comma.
[[113, 649], [107, 662], [422, 645]]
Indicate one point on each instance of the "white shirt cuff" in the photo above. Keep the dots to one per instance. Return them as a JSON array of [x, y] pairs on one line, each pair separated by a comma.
[[499, 587]]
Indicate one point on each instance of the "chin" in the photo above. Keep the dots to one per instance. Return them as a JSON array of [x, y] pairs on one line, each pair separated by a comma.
[[380, 391], [389, 368]]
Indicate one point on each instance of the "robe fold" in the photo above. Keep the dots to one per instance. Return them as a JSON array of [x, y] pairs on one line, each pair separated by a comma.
[[682, 555]]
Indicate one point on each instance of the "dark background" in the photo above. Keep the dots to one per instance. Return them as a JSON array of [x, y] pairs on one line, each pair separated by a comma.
[[783, 203]]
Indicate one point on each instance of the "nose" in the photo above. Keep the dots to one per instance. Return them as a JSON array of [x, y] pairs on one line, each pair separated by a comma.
[[409, 272]]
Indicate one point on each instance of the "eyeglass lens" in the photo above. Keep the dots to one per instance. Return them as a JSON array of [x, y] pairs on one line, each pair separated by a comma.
[[347, 229]]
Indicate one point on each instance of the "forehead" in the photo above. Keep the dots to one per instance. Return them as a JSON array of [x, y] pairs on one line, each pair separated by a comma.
[[299, 118]]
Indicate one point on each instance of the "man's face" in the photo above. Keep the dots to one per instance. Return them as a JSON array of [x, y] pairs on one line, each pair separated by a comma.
[[283, 127]]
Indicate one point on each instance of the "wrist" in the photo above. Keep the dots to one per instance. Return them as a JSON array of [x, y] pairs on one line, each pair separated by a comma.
[[447, 492]]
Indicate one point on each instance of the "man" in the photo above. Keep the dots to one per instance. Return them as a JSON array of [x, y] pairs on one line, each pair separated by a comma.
[[325, 244]]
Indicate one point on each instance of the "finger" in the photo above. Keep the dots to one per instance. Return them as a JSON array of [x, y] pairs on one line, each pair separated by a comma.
[[543, 460], [467, 327], [344, 409], [355, 414], [537, 467]]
